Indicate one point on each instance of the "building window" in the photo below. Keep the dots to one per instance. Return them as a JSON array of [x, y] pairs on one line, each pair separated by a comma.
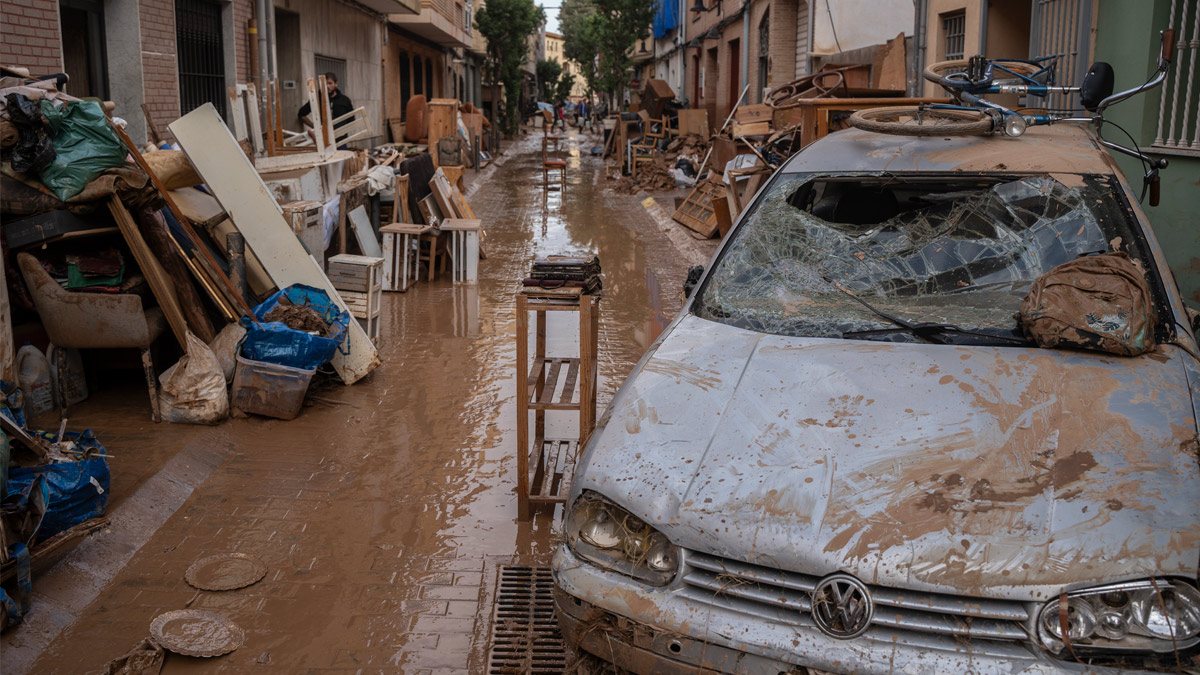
[[468, 16], [201, 55], [325, 64], [1179, 99], [954, 28]]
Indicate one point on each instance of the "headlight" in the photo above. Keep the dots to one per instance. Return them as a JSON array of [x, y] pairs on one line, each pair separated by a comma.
[[603, 533], [1159, 615]]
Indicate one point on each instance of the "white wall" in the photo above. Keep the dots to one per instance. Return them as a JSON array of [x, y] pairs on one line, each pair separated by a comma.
[[858, 23]]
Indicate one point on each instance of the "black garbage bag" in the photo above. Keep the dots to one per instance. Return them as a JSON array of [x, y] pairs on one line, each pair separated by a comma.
[[34, 150]]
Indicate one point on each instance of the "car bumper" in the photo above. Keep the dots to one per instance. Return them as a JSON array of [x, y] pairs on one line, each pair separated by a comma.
[[657, 630]]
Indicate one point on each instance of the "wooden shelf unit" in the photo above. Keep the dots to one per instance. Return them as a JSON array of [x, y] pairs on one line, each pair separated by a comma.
[[545, 465]]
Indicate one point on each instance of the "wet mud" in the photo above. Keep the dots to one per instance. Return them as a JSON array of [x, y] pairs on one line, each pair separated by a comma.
[[380, 510]]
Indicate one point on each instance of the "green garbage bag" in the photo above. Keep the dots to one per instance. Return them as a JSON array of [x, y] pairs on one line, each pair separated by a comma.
[[85, 143]]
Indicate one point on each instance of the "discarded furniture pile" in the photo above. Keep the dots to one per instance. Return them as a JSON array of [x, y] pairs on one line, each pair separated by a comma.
[[662, 147]]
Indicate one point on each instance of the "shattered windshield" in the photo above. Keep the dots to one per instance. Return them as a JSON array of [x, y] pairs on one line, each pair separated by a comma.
[[961, 251]]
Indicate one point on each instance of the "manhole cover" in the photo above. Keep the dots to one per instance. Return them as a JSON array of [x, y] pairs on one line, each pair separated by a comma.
[[196, 632], [525, 637], [225, 572]]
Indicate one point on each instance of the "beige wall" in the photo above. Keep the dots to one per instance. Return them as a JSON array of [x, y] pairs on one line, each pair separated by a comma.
[[935, 49]]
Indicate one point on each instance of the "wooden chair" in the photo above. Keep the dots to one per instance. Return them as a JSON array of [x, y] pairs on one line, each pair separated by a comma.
[[93, 321], [553, 165]]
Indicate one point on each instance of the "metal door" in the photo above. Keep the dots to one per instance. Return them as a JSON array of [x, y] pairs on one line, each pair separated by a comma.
[[1062, 28], [201, 52]]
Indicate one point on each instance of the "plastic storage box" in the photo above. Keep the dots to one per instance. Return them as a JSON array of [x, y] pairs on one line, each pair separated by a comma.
[[269, 389]]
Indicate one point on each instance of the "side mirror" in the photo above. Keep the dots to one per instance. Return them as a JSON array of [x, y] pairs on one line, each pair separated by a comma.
[[693, 278], [1097, 85]]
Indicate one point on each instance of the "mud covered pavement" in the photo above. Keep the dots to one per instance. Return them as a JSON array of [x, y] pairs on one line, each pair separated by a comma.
[[383, 511]]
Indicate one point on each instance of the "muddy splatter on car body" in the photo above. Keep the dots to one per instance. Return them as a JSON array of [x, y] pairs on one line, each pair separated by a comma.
[[793, 478]]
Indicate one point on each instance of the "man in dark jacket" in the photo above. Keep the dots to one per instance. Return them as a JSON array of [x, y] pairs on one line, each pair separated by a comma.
[[339, 104]]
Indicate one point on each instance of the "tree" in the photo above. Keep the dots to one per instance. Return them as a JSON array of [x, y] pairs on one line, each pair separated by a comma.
[[608, 28], [581, 40], [507, 25], [566, 82], [548, 72], [619, 24]]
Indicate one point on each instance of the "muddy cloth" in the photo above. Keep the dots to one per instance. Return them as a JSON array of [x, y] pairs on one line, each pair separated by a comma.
[[130, 183], [78, 491], [1099, 302], [34, 150], [420, 171], [961, 257], [144, 659]]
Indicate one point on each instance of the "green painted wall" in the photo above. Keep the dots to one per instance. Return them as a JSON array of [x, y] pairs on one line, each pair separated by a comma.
[[1127, 37]]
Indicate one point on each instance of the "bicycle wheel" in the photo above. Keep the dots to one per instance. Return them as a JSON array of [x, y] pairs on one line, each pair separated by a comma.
[[935, 72], [917, 122]]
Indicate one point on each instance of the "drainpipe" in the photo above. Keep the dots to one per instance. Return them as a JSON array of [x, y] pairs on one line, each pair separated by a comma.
[[260, 30], [983, 23], [745, 74], [272, 73]]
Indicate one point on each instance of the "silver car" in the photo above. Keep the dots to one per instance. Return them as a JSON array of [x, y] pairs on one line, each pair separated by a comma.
[[796, 479]]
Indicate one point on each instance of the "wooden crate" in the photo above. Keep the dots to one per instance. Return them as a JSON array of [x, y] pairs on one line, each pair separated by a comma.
[[357, 273]]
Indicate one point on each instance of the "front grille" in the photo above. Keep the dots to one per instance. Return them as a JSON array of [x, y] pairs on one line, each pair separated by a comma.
[[786, 597]]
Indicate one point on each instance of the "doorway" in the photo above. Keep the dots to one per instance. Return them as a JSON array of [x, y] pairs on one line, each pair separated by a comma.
[[85, 59], [201, 50]]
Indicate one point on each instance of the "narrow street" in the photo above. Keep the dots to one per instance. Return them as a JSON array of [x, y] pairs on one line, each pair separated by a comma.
[[383, 511]]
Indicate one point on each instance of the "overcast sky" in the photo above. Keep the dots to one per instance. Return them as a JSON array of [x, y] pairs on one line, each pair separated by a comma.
[[551, 16]]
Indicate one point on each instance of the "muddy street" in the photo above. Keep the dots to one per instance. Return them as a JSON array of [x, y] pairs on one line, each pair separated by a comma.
[[383, 511]]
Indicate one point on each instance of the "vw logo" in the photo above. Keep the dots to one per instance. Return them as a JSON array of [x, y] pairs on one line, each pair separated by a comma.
[[842, 607]]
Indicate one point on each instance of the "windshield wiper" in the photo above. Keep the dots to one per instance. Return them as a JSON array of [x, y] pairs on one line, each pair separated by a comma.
[[934, 333]]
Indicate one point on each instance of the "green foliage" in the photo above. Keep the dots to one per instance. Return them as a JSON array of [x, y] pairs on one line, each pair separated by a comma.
[[566, 82], [621, 23], [548, 72], [581, 39], [608, 28], [506, 25]]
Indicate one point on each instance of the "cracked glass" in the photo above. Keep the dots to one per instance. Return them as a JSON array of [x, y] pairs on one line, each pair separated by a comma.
[[961, 251]]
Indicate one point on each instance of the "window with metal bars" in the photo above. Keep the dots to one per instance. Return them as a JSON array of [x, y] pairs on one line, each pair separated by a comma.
[[201, 52], [326, 64], [954, 30], [1179, 98]]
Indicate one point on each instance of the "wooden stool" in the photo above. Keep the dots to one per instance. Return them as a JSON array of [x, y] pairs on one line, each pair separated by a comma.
[[464, 248], [429, 255], [359, 280], [551, 165], [400, 260]]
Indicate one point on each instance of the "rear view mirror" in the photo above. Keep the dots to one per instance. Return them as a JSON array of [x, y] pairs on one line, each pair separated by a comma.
[[693, 278], [1097, 85]]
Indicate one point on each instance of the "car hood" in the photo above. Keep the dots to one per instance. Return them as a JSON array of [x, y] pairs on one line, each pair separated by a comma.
[[990, 471]]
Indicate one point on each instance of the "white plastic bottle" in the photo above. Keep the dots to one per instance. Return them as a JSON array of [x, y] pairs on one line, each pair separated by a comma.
[[33, 375]]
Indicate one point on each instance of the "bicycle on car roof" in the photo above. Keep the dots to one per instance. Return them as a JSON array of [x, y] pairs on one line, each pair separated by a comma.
[[967, 81]]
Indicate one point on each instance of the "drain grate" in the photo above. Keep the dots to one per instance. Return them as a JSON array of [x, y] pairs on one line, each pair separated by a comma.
[[525, 637]]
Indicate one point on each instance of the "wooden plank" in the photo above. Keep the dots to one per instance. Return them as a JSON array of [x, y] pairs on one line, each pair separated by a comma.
[[443, 121], [199, 207], [157, 277], [720, 205], [568, 392], [749, 114], [364, 233], [753, 129], [210, 275], [242, 193], [696, 212], [694, 121], [546, 395]]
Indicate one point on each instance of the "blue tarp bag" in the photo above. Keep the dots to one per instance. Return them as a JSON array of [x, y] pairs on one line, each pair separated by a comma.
[[274, 342], [78, 491]]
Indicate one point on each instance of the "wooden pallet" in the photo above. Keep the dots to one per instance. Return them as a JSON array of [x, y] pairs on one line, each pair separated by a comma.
[[696, 211]]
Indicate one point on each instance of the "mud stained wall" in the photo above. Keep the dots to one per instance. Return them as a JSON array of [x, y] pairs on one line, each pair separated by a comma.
[[1127, 37], [337, 31]]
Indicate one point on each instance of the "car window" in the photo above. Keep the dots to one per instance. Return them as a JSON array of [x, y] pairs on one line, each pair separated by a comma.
[[937, 249]]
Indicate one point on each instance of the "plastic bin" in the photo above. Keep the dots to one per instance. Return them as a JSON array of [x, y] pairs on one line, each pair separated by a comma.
[[269, 389]]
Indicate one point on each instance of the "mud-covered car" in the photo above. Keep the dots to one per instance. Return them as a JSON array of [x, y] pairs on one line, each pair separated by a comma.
[[788, 480]]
